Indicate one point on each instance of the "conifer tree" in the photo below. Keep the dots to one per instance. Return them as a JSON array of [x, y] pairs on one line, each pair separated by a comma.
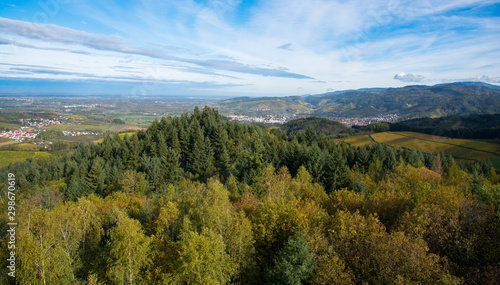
[[95, 178], [294, 264], [336, 172], [314, 163], [170, 166], [198, 149]]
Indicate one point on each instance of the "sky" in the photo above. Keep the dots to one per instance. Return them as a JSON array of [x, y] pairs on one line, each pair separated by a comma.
[[243, 48]]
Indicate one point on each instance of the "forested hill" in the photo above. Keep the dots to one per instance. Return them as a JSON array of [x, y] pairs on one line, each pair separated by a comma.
[[279, 105], [410, 101], [197, 199], [313, 126]]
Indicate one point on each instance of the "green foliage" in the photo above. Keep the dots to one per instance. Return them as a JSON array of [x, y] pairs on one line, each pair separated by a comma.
[[378, 257], [41, 253], [311, 127], [379, 127], [294, 264], [133, 182], [196, 199], [128, 249], [490, 195], [95, 180], [49, 134], [202, 258]]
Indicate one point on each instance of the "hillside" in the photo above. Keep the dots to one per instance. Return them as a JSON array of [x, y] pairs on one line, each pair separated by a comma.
[[279, 105], [410, 102], [318, 125]]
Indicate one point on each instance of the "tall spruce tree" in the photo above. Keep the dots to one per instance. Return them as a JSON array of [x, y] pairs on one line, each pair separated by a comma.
[[95, 179]]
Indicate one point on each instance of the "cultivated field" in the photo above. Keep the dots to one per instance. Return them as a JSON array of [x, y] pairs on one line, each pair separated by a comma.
[[458, 148], [120, 134], [358, 140], [7, 156], [8, 125]]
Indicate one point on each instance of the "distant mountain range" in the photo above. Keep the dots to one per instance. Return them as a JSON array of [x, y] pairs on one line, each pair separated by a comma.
[[416, 101]]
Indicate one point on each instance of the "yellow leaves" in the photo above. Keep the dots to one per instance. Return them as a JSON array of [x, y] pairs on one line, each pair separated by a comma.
[[380, 257], [203, 259], [312, 192], [303, 175], [47, 241], [344, 200], [449, 198], [133, 182], [274, 222], [332, 270], [313, 215], [248, 204], [129, 249], [428, 175], [406, 259], [130, 202], [275, 186], [167, 216]]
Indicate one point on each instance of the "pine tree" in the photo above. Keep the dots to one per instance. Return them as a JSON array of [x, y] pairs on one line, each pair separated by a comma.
[[95, 178], [196, 113], [336, 172], [294, 264], [196, 156], [170, 166], [390, 160], [174, 141], [221, 155], [161, 147], [314, 163], [76, 188]]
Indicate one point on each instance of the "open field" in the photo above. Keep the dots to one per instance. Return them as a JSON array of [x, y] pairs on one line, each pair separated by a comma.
[[64, 127], [9, 145], [139, 119], [458, 148], [7, 156], [97, 127], [8, 125], [76, 139], [120, 134], [358, 140], [6, 142]]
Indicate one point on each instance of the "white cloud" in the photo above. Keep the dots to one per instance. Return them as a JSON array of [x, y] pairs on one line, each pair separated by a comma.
[[54, 33], [408, 77]]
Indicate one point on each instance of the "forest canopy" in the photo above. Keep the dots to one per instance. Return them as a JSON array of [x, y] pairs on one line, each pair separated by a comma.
[[197, 199]]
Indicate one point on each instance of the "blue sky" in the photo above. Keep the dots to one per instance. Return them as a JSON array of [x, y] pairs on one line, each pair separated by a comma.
[[236, 48]]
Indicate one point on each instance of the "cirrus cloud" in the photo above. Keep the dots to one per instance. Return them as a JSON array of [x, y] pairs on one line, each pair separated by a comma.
[[55, 33]]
